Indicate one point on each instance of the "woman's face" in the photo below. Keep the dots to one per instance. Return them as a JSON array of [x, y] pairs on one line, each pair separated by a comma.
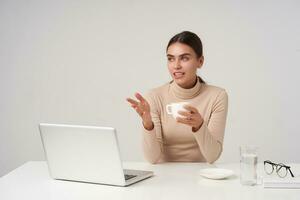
[[183, 63]]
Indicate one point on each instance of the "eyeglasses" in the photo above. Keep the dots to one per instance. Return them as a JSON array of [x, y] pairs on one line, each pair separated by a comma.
[[280, 168]]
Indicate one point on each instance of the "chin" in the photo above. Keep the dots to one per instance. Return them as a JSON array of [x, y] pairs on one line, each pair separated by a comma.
[[180, 82], [183, 82]]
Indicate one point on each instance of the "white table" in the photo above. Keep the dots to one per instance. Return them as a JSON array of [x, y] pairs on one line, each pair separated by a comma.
[[171, 181]]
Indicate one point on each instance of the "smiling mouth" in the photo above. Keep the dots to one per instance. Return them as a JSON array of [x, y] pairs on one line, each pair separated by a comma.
[[178, 74]]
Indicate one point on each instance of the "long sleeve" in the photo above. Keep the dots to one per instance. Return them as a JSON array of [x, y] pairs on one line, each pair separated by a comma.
[[152, 140], [210, 136], [171, 141]]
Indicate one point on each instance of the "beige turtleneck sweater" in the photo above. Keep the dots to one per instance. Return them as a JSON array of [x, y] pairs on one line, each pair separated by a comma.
[[172, 141]]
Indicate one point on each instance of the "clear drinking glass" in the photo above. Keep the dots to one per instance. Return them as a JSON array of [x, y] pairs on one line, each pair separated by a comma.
[[248, 164]]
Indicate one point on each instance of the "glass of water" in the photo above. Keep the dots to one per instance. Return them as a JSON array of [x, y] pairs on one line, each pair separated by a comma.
[[248, 164]]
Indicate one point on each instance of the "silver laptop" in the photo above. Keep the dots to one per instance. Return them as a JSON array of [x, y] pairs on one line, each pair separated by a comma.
[[86, 154]]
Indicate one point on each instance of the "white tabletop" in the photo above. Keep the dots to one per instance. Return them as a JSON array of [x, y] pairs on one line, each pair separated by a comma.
[[171, 181]]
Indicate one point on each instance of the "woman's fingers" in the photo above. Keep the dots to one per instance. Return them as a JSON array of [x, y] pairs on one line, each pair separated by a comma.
[[185, 113], [140, 105], [134, 105], [184, 121], [133, 102], [191, 108], [139, 111], [191, 117], [139, 97]]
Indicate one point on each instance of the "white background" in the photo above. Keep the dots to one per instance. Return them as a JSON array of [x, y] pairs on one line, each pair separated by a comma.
[[75, 62]]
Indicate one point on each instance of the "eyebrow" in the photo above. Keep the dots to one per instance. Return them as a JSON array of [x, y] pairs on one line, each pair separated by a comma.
[[184, 54]]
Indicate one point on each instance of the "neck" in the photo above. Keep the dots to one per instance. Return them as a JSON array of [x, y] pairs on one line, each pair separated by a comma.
[[188, 92]]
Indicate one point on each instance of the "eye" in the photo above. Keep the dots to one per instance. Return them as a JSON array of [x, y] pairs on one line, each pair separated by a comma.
[[170, 59], [185, 58]]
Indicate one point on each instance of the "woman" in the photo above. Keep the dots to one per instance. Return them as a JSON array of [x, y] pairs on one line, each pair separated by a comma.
[[197, 136]]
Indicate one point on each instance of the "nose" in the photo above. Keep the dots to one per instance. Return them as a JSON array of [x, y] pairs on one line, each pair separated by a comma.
[[177, 65]]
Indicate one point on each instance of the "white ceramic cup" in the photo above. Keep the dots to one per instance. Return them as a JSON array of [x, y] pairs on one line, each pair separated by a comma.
[[173, 108]]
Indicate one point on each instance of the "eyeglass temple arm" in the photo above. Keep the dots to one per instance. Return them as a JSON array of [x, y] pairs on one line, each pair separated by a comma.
[[291, 172]]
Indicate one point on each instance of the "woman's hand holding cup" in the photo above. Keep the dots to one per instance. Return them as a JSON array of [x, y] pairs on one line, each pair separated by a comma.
[[142, 107], [192, 118], [185, 114]]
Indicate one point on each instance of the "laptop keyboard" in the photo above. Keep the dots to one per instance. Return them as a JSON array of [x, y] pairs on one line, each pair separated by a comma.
[[127, 176]]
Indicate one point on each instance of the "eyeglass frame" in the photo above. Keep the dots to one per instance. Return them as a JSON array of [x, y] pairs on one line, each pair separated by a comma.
[[288, 168]]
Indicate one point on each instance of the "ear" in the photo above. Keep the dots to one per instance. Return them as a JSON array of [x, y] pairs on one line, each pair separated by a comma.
[[201, 61]]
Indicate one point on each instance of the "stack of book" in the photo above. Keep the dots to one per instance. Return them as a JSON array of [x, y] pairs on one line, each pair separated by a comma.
[[277, 182]]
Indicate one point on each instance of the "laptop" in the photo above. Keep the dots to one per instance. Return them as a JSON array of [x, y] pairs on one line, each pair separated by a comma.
[[86, 154]]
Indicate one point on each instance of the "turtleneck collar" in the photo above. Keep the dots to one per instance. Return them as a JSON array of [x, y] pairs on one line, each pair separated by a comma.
[[183, 93]]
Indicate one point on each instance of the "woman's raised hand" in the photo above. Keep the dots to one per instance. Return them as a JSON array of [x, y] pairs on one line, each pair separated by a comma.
[[142, 107]]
